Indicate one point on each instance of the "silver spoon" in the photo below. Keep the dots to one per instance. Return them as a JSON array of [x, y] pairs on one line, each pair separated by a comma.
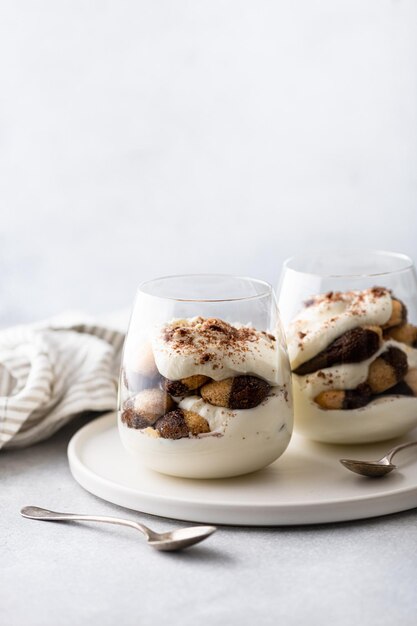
[[173, 540], [376, 468]]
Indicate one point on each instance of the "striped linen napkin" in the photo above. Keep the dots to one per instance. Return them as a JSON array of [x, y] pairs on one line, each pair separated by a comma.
[[49, 373]]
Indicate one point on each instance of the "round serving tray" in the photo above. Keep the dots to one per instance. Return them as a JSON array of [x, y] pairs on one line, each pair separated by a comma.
[[307, 485]]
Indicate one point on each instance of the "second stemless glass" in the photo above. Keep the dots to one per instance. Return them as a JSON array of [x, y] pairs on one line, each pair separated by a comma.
[[205, 386], [350, 319]]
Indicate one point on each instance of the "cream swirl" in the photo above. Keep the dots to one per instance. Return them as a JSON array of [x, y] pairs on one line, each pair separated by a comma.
[[214, 348]]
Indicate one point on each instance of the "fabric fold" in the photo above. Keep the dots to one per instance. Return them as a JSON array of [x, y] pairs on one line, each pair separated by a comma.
[[49, 374]]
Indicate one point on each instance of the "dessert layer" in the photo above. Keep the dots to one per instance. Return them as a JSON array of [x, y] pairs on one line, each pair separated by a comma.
[[241, 441], [214, 348], [383, 418], [348, 375], [264, 416], [327, 317], [353, 346]]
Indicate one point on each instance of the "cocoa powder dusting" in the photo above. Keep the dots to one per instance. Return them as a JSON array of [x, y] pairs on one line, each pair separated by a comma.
[[347, 296], [202, 337]]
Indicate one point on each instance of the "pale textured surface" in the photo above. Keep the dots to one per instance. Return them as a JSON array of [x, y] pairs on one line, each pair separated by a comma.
[[78, 574]]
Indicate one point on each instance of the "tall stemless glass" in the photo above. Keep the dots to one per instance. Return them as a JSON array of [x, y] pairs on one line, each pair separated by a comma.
[[350, 320], [205, 385]]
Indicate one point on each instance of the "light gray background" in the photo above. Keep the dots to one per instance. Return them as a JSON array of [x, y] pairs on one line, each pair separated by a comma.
[[147, 138]]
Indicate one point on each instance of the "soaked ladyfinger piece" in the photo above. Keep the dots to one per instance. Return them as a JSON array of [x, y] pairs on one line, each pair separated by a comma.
[[398, 314], [353, 346], [184, 386], [330, 399], [406, 387], [196, 423], [179, 424], [406, 333], [146, 407], [151, 432], [387, 370], [217, 392], [344, 399], [400, 389], [240, 392], [410, 380], [172, 425]]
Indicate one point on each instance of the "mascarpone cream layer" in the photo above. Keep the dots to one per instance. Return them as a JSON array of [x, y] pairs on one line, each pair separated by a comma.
[[383, 418], [262, 417], [243, 440], [262, 357]]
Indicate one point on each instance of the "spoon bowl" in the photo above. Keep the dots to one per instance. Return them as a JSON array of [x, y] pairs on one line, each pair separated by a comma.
[[373, 469], [181, 538], [376, 469], [167, 542]]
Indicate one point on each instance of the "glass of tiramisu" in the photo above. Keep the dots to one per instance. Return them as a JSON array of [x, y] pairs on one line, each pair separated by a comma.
[[351, 327], [205, 384]]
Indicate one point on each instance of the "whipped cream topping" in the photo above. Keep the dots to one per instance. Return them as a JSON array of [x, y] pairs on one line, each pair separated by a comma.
[[328, 316], [216, 349]]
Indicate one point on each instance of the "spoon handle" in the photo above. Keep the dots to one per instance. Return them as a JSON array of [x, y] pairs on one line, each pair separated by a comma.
[[35, 512], [389, 456]]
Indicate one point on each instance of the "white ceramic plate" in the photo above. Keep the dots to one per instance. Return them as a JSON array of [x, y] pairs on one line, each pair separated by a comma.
[[307, 485]]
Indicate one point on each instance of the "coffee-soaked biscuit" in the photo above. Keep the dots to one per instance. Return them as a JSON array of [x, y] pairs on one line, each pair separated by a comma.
[[146, 407], [172, 425], [240, 392], [344, 399], [400, 389], [406, 387], [410, 379], [398, 314], [184, 386], [179, 424], [217, 392], [196, 423], [353, 346], [151, 432], [406, 333], [387, 370], [340, 399], [331, 399]]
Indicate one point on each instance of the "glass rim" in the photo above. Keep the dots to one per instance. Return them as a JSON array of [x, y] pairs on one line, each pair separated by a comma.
[[268, 289], [395, 255]]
